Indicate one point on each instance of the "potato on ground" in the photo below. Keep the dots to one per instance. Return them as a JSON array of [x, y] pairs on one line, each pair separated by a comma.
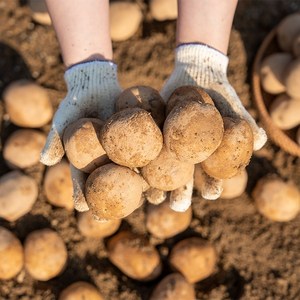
[[27, 104], [11, 254], [58, 185], [82, 144], [167, 173], [292, 79], [113, 192], [131, 138], [235, 186], [173, 286], [277, 200], [39, 12], [194, 258], [163, 222], [18, 193], [23, 147], [92, 228], [80, 290], [234, 153], [162, 10], [134, 256], [45, 254]]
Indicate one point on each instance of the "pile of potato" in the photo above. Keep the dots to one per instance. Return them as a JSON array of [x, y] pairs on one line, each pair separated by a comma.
[[280, 76]]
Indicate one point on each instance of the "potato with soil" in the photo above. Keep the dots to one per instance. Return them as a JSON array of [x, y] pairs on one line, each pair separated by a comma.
[[162, 10], [292, 79], [23, 147], [235, 186], [18, 193], [113, 192], [167, 173], [234, 153], [134, 256], [80, 290], [45, 254], [11, 255], [27, 104], [277, 200], [131, 138], [194, 258], [173, 286], [58, 186], [163, 222], [143, 97], [82, 144]]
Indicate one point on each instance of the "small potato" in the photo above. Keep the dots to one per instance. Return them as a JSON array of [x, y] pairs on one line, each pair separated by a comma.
[[194, 258], [143, 97], [163, 222], [18, 193], [277, 200], [92, 228], [155, 196], [296, 46], [287, 30], [167, 173], [11, 255], [235, 186], [292, 79], [272, 72], [40, 12], [193, 131], [58, 185], [125, 19], [45, 254], [27, 104], [285, 112], [163, 10], [134, 256], [80, 290], [82, 144], [131, 138], [23, 147], [234, 153], [113, 192], [173, 286]]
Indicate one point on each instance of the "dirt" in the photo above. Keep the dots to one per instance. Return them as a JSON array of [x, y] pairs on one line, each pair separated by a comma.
[[257, 258]]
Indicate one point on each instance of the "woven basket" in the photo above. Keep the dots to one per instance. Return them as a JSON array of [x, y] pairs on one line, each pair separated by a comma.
[[284, 139]]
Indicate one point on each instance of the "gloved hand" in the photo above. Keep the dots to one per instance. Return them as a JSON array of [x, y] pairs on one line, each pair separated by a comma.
[[92, 90], [203, 66]]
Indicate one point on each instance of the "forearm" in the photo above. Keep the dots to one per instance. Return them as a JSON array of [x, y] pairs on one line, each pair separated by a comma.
[[82, 28], [205, 21]]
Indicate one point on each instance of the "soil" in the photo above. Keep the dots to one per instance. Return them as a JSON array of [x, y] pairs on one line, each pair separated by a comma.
[[257, 258]]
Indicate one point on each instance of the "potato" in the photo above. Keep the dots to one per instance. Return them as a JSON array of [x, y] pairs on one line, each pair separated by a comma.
[[58, 185], [27, 104], [272, 72], [296, 45], [18, 194], [11, 255], [89, 227], [292, 79], [113, 192], [134, 256], [40, 12], [193, 131], [82, 144], [287, 30], [162, 10], [23, 147], [167, 173], [163, 222], [285, 112], [143, 97], [173, 286], [45, 254], [125, 19], [194, 258], [155, 196], [234, 153], [235, 186], [131, 138], [277, 200], [80, 290]]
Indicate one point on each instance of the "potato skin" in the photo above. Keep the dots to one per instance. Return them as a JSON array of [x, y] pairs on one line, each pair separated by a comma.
[[234, 153], [113, 192]]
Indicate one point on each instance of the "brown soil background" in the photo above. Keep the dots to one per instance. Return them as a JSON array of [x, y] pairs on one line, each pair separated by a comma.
[[258, 259]]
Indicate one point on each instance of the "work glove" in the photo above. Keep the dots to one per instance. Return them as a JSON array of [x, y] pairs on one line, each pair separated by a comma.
[[200, 65], [92, 90]]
